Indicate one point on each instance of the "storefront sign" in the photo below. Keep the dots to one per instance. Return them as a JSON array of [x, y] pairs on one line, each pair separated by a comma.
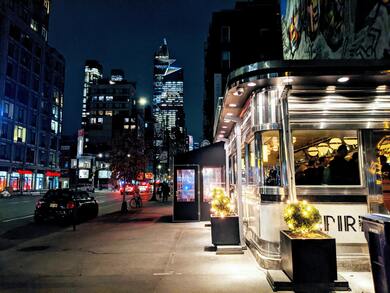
[[24, 172], [53, 174], [83, 174], [342, 221], [104, 174]]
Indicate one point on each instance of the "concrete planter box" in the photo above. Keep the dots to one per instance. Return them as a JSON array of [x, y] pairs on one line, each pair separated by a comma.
[[225, 231], [308, 260]]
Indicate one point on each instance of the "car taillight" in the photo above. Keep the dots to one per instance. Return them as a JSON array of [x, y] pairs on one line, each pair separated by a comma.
[[70, 205], [38, 204]]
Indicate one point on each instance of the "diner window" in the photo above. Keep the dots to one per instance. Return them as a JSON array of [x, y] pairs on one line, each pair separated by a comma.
[[251, 162], [270, 158], [326, 157], [243, 165]]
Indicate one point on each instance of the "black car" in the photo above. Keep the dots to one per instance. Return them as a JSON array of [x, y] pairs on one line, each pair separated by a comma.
[[66, 205]]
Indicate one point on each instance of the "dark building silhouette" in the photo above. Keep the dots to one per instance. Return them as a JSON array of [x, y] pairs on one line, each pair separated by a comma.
[[110, 108], [31, 97], [249, 33]]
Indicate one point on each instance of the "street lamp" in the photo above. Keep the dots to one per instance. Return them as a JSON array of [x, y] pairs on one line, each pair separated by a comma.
[[142, 101]]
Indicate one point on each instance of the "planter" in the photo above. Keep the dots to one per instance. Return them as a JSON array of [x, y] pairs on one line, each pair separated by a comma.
[[308, 260], [225, 231]]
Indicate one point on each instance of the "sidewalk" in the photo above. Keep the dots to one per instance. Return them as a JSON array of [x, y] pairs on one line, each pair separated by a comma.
[[140, 252]]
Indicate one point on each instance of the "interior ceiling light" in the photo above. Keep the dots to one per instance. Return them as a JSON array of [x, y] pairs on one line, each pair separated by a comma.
[[343, 79], [224, 127], [251, 84], [381, 88], [331, 89], [222, 131], [221, 135], [229, 114], [232, 105]]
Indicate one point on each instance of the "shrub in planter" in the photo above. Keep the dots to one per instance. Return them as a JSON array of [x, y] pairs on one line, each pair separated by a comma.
[[302, 217], [224, 222], [221, 204], [308, 255]]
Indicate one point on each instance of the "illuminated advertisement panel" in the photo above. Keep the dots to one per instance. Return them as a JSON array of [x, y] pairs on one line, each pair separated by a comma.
[[335, 29], [186, 185]]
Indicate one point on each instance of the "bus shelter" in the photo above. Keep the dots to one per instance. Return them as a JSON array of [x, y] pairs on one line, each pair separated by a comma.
[[196, 173]]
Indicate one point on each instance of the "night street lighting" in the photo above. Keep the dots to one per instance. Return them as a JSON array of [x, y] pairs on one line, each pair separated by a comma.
[[142, 101]]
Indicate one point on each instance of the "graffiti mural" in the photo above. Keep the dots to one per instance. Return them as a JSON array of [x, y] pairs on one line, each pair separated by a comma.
[[336, 29]]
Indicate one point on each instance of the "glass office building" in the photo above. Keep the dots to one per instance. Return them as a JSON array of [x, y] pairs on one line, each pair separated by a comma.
[[31, 98]]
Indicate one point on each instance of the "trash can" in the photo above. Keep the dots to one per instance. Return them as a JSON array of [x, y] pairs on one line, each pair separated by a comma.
[[377, 232]]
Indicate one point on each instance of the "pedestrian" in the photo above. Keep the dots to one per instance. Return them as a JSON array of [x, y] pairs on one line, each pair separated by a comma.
[[165, 191], [159, 191]]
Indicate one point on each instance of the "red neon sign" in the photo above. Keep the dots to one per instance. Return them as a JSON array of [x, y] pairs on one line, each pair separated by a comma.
[[52, 174], [24, 172]]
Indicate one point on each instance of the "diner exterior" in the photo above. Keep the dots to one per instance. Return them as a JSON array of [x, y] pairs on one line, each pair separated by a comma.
[[312, 130]]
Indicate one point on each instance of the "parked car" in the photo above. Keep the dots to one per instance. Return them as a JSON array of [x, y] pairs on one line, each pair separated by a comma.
[[60, 204]]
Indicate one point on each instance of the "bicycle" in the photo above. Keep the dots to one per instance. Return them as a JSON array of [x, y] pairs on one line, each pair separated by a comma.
[[135, 201]]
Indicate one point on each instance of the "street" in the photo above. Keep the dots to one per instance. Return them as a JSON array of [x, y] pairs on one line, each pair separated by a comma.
[[17, 213], [141, 251]]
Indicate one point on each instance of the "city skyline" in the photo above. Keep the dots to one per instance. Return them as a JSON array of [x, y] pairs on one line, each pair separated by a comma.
[[125, 26]]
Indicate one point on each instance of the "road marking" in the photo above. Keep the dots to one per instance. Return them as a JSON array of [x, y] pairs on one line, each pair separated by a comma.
[[17, 202], [163, 274], [18, 218]]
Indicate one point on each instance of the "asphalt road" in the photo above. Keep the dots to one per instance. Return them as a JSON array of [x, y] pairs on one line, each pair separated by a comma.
[[18, 211]]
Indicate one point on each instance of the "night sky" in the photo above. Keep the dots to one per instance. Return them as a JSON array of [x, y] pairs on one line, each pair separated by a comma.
[[125, 34]]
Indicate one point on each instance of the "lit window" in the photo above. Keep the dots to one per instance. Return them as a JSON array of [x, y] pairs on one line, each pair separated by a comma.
[[101, 98], [100, 120], [34, 24], [93, 120], [44, 33], [101, 113], [126, 120], [132, 127], [326, 157], [109, 98], [19, 134], [46, 3], [126, 126], [108, 113], [54, 126], [270, 157]]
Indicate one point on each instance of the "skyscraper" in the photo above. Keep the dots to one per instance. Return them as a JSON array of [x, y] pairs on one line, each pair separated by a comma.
[[93, 71], [31, 97], [168, 104], [168, 108]]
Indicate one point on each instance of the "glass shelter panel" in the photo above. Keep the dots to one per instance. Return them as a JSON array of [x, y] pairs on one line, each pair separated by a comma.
[[326, 157], [186, 185], [212, 177], [270, 158]]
